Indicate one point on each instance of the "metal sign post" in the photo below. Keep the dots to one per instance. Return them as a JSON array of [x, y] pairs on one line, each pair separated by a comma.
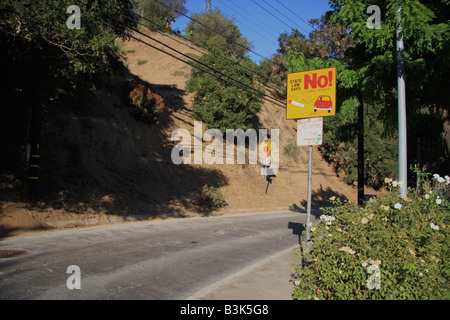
[[311, 95], [266, 176], [308, 205], [309, 133]]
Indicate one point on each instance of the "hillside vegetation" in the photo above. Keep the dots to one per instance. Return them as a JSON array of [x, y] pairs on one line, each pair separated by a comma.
[[90, 110], [98, 160]]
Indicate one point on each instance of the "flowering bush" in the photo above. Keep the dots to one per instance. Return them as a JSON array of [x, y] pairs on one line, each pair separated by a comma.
[[395, 248]]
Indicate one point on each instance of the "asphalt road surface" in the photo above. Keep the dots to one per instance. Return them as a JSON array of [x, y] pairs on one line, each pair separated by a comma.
[[158, 260]]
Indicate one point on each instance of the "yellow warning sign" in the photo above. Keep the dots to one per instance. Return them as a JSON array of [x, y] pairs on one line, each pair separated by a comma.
[[265, 146], [311, 94]]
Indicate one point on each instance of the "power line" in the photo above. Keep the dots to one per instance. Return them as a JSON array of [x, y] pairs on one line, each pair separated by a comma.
[[310, 24], [247, 25], [205, 26], [272, 14], [256, 19], [220, 57], [159, 49], [236, 83], [284, 15]]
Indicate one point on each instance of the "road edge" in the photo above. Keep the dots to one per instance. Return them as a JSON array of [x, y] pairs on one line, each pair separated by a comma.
[[217, 285]]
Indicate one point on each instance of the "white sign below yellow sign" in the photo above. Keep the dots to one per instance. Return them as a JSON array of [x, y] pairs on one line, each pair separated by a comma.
[[309, 131], [311, 94]]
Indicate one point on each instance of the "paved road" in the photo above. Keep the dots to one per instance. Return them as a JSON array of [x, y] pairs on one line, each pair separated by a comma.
[[167, 260]]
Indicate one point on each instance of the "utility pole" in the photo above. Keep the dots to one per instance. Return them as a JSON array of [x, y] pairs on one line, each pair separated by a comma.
[[361, 154], [402, 128], [207, 6]]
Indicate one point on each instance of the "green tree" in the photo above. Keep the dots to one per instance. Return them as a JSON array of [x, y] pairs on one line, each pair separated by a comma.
[[42, 58], [426, 35], [340, 144], [325, 41], [274, 71], [39, 50], [161, 12], [215, 31], [219, 103], [367, 75]]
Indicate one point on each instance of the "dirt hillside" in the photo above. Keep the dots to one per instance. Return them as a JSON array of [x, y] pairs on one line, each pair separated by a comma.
[[244, 188], [99, 164]]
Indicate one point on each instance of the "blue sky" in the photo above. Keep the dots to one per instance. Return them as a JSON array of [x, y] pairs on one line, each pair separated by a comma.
[[253, 19]]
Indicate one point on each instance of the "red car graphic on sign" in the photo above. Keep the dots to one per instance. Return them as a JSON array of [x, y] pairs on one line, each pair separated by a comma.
[[323, 103]]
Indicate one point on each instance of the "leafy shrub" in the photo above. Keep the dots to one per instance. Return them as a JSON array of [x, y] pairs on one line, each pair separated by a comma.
[[219, 104], [218, 33], [395, 248], [292, 150], [211, 198], [145, 105]]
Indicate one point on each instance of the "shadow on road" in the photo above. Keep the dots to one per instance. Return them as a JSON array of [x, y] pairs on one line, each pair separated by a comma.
[[297, 229]]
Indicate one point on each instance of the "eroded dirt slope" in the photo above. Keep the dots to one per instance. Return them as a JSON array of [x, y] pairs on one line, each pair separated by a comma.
[[99, 162], [244, 187]]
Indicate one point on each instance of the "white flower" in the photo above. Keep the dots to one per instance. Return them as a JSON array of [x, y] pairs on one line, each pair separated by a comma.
[[441, 180], [433, 226], [375, 263], [436, 176], [438, 200], [398, 206], [347, 249], [327, 219], [447, 178], [396, 184], [427, 196]]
